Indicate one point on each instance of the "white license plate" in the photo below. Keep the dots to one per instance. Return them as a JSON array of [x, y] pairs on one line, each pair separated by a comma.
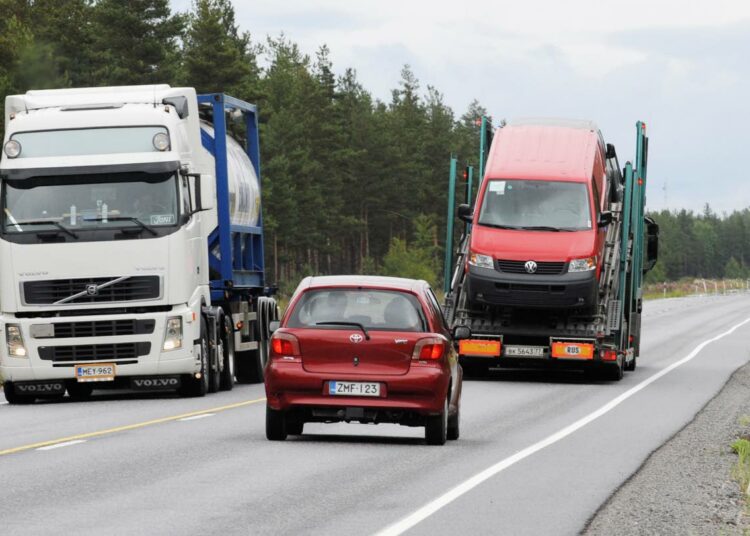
[[102, 372], [353, 388], [523, 351]]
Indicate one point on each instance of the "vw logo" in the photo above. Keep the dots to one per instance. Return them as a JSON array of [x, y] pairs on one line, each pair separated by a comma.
[[530, 267], [92, 290], [355, 338]]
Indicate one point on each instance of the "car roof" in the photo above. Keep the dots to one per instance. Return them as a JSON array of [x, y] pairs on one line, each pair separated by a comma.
[[365, 281], [545, 149]]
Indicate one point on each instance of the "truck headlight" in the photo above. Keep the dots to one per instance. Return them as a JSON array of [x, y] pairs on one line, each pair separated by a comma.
[[481, 261], [173, 334], [12, 148], [582, 265], [14, 340]]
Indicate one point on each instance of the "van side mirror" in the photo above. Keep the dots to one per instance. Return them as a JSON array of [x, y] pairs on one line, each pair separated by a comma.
[[461, 333], [273, 326], [652, 244], [605, 218], [465, 213]]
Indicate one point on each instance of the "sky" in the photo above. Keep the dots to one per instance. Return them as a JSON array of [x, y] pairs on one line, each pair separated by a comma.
[[681, 66]]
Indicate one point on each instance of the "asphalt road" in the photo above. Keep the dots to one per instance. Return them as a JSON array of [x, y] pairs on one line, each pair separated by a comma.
[[549, 450]]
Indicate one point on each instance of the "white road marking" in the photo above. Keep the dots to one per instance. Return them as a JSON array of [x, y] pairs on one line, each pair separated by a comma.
[[65, 444], [451, 495], [196, 417]]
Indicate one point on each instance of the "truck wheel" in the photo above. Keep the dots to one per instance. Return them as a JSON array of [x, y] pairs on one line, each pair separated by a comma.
[[613, 372], [227, 339], [631, 366], [14, 398], [214, 380], [192, 386], [79, 391], [275, 425], [254, 362], [436, 428]]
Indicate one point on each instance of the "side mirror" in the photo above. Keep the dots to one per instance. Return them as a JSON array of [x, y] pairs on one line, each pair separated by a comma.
[[461, 333], [652, 244], [611, 153], [465, 213], [273, 325], [605, 218], [205, 195]]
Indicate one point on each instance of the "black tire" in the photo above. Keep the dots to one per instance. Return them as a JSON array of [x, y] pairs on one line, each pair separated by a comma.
[[614, 371], [275, 425], [79, 391], [214, 374], [294, 425], [630, 367], [227, 338], [14, 398], [454, 425], [197, 387], [436, 427]]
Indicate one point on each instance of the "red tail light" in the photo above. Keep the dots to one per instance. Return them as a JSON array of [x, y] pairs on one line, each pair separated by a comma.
[[284, 344], [429, 349]]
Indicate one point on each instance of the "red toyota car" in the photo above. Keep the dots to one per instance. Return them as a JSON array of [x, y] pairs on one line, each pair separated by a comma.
[[365, 349]]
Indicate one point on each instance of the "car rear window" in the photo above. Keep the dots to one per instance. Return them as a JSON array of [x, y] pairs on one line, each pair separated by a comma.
[[378, 310]]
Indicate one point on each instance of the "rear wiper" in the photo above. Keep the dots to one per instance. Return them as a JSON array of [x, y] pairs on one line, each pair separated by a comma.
[[49, 222], [355, 324], [126, 218], [543, 228]]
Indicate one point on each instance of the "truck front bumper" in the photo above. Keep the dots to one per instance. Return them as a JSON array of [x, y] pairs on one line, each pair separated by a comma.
[[569, 290], [50, 356]]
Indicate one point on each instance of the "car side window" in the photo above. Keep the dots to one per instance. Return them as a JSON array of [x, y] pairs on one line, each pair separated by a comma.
[[438, 311]]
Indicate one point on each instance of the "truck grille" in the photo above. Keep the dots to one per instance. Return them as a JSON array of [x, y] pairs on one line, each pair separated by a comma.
[[94, 352], [518, 267], [101, 328], [129, 289]]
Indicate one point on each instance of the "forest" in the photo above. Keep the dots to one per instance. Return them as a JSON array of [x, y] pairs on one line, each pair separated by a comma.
[[351, 183]]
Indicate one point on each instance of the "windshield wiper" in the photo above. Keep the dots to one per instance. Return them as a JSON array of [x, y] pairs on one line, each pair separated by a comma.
[[126, 218], [49, 222], [498, 226], [355, 324], [544, 228]]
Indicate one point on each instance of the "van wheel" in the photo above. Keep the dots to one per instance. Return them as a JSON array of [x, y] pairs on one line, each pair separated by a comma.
[[14, 398], [192, 386], [436, 428], [227, 341], [275, 425], [79, 391]]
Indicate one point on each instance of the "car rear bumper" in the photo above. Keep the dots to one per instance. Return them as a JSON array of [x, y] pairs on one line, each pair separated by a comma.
[[490, 286], [422, 390]]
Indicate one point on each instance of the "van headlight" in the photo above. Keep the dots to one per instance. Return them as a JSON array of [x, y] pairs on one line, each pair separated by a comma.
[[582, 265], [14, 340], [481, 261], [173, 334]]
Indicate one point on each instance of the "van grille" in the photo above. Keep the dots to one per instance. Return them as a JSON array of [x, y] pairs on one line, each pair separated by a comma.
[[94, 352], [518, 267], [129, 289]]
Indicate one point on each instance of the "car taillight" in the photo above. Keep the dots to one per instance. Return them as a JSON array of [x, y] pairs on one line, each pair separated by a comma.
[[429, 349], [284, 344]]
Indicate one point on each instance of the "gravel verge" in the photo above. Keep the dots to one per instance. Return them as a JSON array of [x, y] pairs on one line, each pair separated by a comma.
[[686, 486]]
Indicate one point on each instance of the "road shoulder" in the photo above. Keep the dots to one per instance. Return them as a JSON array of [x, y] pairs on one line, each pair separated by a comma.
[[686, 486]]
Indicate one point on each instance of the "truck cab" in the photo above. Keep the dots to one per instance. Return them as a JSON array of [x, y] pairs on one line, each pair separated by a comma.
[[539, 224]]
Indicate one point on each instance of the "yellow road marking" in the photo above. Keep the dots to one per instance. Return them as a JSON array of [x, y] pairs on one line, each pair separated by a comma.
[[127, 427]]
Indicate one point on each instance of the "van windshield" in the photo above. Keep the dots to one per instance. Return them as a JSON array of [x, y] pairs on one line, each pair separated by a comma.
[[536, 205]]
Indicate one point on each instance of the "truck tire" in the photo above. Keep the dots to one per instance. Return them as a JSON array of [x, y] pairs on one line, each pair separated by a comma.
[[79, 391], [275, 425], [436, 427], [214, 378], [14, 398], [227, 338], [614, 371], [197, 387], [253, 363]]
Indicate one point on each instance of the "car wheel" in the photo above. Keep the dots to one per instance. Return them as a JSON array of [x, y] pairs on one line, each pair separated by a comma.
[[436, 428], [454, 425], [14, 398], [227, 337], [294, 425], [79, 391], [275, 425], [196, 387]]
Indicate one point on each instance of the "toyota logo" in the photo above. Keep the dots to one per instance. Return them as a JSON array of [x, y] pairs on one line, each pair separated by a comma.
[[530, 267], [355, 338], [92, 290]]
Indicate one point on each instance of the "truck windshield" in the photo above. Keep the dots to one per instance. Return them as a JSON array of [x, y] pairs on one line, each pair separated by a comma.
[[89, 202], [536, 205]]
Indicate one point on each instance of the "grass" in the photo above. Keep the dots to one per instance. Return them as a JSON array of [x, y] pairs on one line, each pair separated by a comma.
[[741, 470]]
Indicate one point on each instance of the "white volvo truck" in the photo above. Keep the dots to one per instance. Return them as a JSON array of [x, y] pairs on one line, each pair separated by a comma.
[[131, 243]]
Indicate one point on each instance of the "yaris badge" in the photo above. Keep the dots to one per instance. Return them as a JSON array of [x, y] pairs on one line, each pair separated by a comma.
[[530, 267], [355, 338]]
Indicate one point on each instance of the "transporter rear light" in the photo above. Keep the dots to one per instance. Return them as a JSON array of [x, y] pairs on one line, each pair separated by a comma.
[[429, 349], [284, 345], [12, 149]]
